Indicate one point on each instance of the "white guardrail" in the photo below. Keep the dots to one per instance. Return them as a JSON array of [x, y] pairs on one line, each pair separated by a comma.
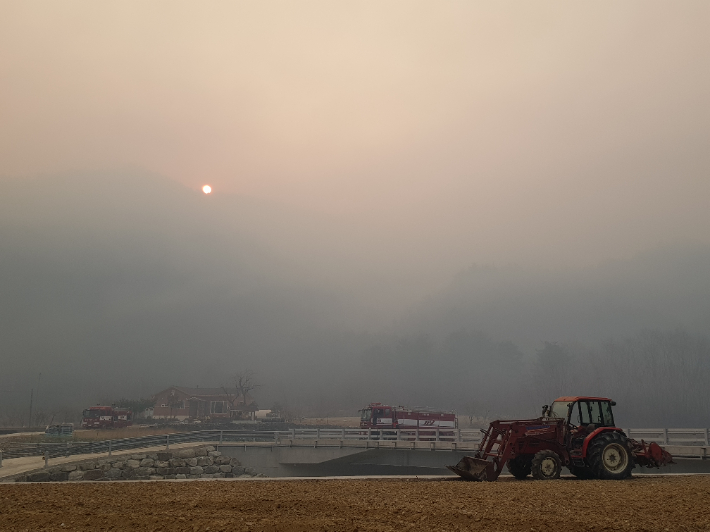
[[467, 438], [671, 436]]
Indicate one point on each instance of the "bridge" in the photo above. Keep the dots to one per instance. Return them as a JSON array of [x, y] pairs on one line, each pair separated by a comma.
[[334, 452]]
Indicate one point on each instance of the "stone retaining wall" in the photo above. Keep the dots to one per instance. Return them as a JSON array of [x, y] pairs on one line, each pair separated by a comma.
[[190, 463]]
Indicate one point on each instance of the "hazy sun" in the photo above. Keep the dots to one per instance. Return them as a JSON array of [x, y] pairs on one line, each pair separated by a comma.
[[207, 189]]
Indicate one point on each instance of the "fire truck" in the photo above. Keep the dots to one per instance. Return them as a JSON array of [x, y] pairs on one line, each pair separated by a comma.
[[416, 423], [106, 417]]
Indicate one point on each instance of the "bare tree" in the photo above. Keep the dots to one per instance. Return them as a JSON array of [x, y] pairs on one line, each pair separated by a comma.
[[240, 385]]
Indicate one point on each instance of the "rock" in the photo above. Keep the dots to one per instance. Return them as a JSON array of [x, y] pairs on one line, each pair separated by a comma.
[[197, 470], [165, 470], [172, 477], [113, 473], [127, 473], [141, 478], [209, 448], [214, 454], [156, 477], [164, 456], [68, 468], [182, 470], [87, 466], [186, 453], [133, 463], [225, 468], [245, 476], [105, 467], [118, 464], [261, 475], [234, 462], [76, 475], [192, 462], [42, 476], [229, 475], [177, 462], [138, 457], [147, 462], [144, 471], [153, 456], [181, 477], [59, 476], [200, 451], [204, 461], [250, 471], [193, 477], [93, 474], [238, 470], [211, 469]]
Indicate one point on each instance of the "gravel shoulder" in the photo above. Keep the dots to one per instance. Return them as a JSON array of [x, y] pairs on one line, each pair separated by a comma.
[[642, 503]]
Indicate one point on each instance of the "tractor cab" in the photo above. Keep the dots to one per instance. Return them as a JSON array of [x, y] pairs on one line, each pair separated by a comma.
[[587, 412]]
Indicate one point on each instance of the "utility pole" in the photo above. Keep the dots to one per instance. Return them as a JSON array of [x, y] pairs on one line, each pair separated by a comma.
[[38, 379], [32, 393]]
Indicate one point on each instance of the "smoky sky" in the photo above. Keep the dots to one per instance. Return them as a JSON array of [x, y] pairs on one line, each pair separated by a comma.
[[381, 172], [472, 131]]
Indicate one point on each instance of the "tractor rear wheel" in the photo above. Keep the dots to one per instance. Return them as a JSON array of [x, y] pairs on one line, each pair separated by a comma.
[[520, 466], [546, 465], [609, 456]]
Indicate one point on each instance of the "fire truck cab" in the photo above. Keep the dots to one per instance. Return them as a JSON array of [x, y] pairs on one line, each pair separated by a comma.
[[106, 417], [380, 416]]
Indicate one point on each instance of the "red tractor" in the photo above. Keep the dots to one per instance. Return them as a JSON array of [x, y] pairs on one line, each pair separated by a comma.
[[576, 432]]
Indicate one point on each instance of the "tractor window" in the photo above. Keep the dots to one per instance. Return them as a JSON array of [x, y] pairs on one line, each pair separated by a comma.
[[607, 414], [584, 417], [559, 409], [596, 413]]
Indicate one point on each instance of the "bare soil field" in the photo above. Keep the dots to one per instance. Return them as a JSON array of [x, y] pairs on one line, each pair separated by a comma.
[[648, 504]]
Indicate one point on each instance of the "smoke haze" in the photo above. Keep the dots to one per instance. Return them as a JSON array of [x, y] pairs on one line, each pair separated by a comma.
[[470, 205]]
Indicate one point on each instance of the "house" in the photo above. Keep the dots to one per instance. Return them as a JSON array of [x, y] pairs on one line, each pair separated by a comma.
[[178, 402]]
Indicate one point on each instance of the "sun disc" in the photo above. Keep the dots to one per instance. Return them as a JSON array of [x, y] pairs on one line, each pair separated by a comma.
[[207, 189]]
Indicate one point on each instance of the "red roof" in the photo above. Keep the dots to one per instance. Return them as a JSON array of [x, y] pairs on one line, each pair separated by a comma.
[[581, 398]]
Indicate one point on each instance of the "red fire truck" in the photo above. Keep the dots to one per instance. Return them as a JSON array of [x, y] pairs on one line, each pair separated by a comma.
[[417, 422], [106, 417]]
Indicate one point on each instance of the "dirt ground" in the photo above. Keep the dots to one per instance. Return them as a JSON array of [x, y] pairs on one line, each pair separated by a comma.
[[651, 503]]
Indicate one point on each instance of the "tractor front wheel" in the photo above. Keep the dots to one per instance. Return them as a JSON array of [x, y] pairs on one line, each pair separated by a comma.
[[520, 466], [546, 465], [609, 456]]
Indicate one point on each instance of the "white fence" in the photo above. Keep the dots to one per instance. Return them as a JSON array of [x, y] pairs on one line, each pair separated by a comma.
[[442, 438], [661, 436], [671, 436]]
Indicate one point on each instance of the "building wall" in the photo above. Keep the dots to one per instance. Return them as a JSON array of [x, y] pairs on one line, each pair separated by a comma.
[[183, 409]]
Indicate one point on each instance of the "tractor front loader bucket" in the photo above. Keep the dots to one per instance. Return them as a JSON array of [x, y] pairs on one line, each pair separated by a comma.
[[470, 468]]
